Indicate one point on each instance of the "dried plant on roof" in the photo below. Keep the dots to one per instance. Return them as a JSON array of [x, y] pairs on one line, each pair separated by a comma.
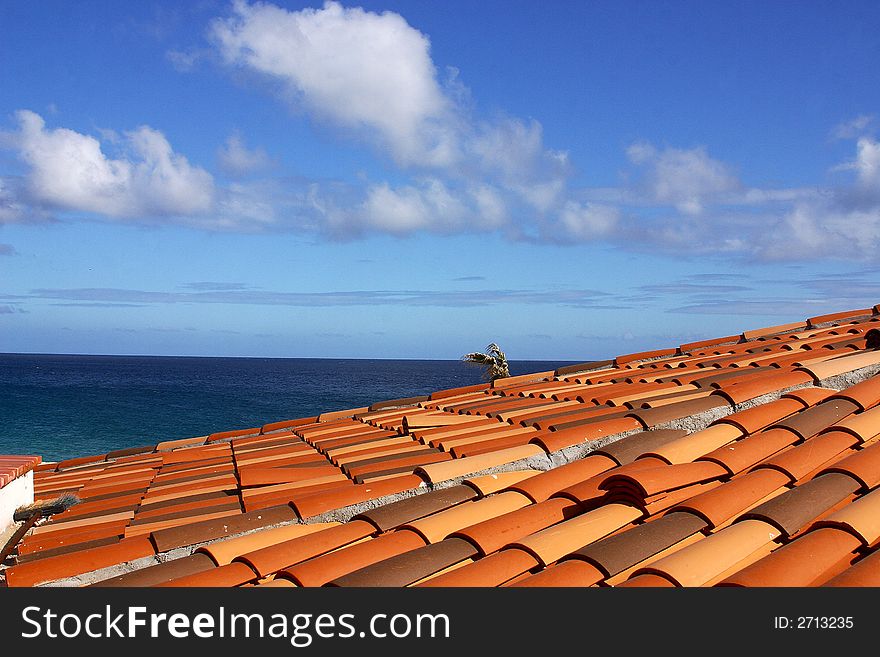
[[493, 362]]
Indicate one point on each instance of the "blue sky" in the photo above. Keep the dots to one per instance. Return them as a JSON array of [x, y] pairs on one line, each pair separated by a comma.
[[415, 179]]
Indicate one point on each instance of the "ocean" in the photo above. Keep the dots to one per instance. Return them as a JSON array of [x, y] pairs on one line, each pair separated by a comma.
[[61, 406]]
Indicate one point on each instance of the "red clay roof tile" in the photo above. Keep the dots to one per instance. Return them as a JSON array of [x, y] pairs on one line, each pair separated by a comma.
[[705, 562], [320, 570], [233, 574], [861, 518], [494, 570], [407, 510], [200, 532], [745, 453], [318, 503], [440, 525], [739, 392], [409, 567], [865, 572], [565, 574], [542, 486], [762, 416], [553, 441], [802, 459], [272, 558], [795, 509], [624, 550], [493, 534], [810, 560], [863, 465], [689, 447], [225, 551], [492, 483], [726, 502], [77, 563], [553, 543], [159, 573]]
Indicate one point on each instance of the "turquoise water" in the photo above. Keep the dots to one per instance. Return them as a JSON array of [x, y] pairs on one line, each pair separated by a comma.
[[60, 406]]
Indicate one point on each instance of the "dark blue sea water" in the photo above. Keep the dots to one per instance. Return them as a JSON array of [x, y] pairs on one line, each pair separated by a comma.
[[60, 406]]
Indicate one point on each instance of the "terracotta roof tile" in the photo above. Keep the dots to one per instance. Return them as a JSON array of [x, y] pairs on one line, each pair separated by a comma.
[[726, 502], [689, 447], [419, 506], [285, 424], [565, 574], [861, 518], [772, 330], [553, 543], [863, 426], [320, 570], [739, 392], [648, 580], [318, 503], [200, 532], [493, 445], [803, 459], [811, 560], [828, 368], [619, 552], [233, 574], [811, 421], [706, 561], [77, 563], [494, 570], [160, 572], [542, 486], [553, 441], [753, 449], [225, 551], [582, 367], [760, 417], [270, 559], [865, 572], [591, 490], [651, 481], [653, 417], [410, 567], [493, 534], [831, 317], [575, 418], [864, 466], [492, 483], [436, 527], [629, 448], [438, 472], [795, 509]]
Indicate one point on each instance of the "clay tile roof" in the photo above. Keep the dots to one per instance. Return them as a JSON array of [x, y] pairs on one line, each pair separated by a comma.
[[411, 566], [796, 508], [865, 572], [742, 460], [617, 553]]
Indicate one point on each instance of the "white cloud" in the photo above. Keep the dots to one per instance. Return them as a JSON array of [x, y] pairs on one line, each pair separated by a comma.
[[352, 67], [588, 221], [687, 179], [512, 151], [372, 75], [69, 171], [11, 209], [867, 164], [431, 205], [236, 159], [853, 128]]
